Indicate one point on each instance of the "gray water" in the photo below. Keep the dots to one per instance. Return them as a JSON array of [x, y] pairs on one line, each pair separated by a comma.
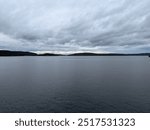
[[75, 84]]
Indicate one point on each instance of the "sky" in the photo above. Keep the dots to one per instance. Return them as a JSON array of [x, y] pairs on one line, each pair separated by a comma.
[[68, 26]]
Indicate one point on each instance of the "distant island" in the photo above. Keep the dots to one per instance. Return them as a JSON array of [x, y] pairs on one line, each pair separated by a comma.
[[109, 54], [16, 53], [22, 53], [48, 54]]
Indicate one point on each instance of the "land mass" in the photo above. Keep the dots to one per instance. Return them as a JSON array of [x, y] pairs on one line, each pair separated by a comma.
[[109, 54], [49, 54], [22, 53], [16, 53]]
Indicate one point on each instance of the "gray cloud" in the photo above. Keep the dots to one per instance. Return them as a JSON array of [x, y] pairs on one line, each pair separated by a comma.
[[71, 25]]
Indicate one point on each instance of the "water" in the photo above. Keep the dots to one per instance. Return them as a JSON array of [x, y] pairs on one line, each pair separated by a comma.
[[74, 84]]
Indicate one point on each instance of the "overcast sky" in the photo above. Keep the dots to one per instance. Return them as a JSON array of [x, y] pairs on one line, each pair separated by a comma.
[[75, 25]]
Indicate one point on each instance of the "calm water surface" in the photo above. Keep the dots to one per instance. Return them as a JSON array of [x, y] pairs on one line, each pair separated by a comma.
[[74, 84]]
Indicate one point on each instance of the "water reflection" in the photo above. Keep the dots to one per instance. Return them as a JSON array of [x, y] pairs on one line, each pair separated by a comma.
[[74, 84]]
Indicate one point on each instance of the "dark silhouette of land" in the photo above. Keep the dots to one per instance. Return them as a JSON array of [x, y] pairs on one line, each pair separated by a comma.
[[16, 53], [22, 53], [109, 54], [49, 54]]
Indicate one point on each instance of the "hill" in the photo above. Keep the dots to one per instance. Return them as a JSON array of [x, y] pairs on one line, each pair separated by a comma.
[[16, 53]]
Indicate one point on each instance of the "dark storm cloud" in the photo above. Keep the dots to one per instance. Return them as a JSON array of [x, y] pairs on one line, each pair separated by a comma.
[[71, 25]]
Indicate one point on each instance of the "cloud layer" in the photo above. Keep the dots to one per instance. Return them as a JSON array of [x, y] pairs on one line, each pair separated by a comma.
[[75, 25]]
